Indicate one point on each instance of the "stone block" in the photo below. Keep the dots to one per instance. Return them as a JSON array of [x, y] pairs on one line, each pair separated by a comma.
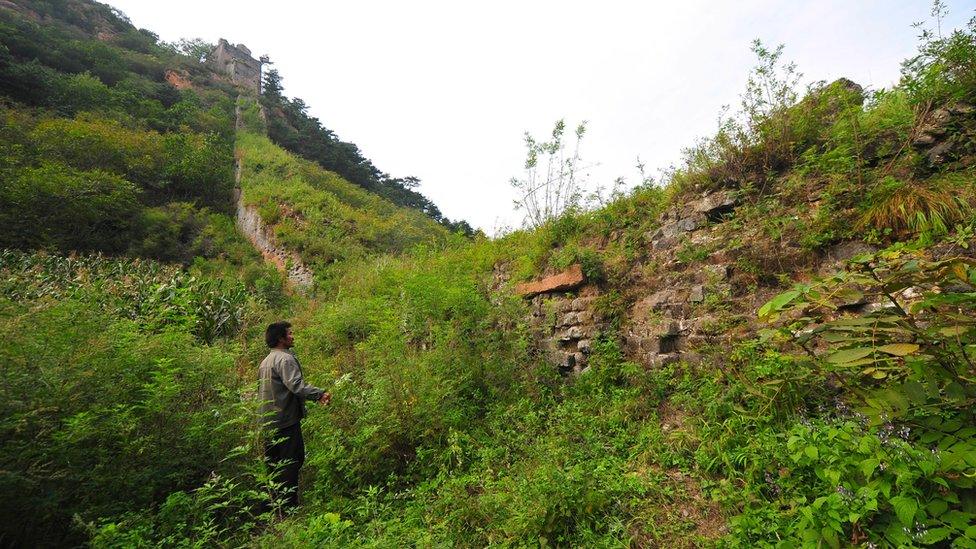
[[716, 272], [697, 294], [581, 303], [584, 346], [569, 319], [573, 333], [567, 280]]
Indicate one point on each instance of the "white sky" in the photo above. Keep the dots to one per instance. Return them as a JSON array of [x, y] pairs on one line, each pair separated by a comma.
[[444, 90]]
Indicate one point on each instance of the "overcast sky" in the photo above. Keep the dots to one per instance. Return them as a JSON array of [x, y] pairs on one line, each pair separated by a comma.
[[445, 90]]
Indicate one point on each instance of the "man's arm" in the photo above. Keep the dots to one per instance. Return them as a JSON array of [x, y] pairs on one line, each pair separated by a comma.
[[291, 377]]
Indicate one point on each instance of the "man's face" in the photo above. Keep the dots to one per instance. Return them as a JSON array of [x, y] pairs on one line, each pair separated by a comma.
[[288, 340]]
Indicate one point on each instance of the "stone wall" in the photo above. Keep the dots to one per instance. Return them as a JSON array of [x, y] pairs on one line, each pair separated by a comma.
[[237, 63], [249, 222]]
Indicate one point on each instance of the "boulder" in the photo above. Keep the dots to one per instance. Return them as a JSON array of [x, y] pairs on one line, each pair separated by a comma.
[[716, 205], [845, 250]]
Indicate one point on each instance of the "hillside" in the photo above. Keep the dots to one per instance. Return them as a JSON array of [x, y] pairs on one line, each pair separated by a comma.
[[773, 347]]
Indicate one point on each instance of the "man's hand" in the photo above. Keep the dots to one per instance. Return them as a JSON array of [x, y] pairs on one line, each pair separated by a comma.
[[326, 398]]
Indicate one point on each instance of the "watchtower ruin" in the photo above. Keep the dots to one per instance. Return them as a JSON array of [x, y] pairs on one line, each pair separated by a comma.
[[236, 62]]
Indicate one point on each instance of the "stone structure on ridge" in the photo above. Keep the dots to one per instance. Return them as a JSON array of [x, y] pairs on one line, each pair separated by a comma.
[[236, 62]]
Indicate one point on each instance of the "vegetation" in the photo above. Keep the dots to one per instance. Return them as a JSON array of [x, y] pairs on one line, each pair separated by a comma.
[[546, 195], [320, 215], [828, 409]]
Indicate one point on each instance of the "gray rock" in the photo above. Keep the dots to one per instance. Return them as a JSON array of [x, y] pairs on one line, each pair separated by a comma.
[[574, 332], [697, 294], [845, 250], [716, 272], [687, 224], [568, 319], [936, 154], [669, 230], [585, 346], [714, 204], [664, 243], [663, 299], [581, 303]]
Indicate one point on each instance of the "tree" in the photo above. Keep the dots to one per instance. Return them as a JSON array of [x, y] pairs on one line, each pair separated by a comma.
[[271, 87], [545, 194], [194, 48]]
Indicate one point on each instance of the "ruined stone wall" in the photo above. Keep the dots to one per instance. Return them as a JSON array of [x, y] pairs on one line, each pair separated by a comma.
[[237, 63], [249, 222]]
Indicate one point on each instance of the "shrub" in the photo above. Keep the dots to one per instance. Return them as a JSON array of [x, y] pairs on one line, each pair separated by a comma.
[[928, 208], [125, 418], [66, 209]]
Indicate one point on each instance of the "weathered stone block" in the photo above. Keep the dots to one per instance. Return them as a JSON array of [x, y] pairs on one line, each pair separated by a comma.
[[581, 303], [697, 294], [574, 332], [716, 205], [567, 280], [568, 319], [584, 346]]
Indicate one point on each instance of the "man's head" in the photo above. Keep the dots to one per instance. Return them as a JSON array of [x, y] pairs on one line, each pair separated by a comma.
[[279, 335]]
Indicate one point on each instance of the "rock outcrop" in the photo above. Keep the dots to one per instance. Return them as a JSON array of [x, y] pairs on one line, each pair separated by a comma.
[[946, 134]]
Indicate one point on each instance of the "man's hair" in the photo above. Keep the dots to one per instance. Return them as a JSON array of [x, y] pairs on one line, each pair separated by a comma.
[[275, 332]]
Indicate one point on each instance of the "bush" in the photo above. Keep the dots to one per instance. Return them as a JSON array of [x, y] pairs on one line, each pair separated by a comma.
[[118, 418], [59, 207]]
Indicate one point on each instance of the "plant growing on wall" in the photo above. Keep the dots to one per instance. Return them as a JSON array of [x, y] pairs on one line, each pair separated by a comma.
[[551, 184]]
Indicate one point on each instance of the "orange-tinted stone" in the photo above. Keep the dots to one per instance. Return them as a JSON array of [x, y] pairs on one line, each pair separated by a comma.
[[567, 280]]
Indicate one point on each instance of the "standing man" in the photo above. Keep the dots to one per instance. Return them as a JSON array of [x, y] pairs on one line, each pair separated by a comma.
[[283, 393]]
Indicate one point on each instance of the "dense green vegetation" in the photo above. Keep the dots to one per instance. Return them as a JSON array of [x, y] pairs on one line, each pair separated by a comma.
[[811, 420]]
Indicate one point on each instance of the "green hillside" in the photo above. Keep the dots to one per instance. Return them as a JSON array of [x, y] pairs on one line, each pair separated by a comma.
[[771, 348], [324, 218]]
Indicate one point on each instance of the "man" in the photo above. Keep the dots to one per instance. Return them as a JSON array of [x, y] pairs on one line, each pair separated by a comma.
[[283, 393]]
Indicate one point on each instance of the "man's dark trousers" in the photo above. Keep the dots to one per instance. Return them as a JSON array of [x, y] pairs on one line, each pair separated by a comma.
[[286, 458]]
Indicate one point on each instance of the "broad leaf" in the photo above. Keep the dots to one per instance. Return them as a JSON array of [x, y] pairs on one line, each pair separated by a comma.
[[899, 349], [849, 355], [905, 508]]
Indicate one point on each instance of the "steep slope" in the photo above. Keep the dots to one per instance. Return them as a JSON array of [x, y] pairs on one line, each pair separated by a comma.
[[317, 214], [727, 386], [123, 373]]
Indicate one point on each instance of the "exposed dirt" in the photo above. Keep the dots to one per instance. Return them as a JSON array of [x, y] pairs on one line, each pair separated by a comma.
[[178, 81]]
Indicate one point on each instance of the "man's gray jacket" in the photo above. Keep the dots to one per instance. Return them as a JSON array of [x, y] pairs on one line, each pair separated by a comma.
[[282, 389]]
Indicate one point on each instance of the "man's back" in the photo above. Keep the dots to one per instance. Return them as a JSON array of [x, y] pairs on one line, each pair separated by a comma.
[[283, 390]]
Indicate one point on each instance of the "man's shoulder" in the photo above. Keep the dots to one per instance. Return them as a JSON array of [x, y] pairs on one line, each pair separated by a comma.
[[279, 356]]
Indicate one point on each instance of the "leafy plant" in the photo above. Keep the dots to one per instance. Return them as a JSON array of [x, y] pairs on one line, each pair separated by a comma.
[[908, 364], [547, 191]]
